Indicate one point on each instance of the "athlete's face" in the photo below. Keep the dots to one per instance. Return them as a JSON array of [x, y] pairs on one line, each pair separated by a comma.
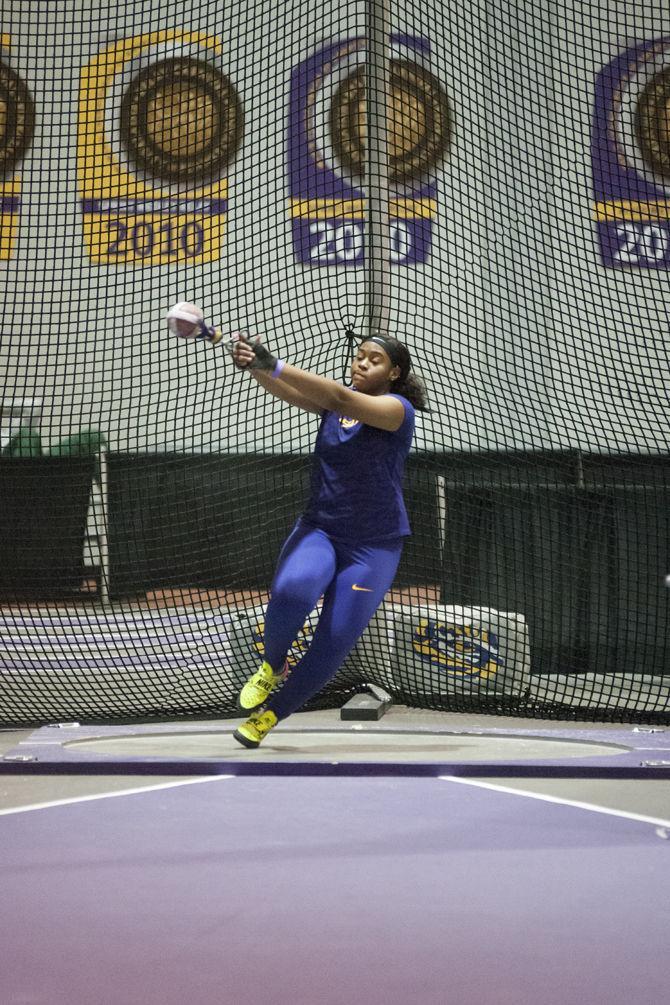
[[372, 372]]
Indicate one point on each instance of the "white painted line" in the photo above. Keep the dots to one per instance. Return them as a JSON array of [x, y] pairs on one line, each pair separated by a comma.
[[111, 795], [41, 743], [655, 821]]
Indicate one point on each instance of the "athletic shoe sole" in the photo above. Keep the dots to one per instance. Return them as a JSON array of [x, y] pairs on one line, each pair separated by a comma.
[[245, 741]]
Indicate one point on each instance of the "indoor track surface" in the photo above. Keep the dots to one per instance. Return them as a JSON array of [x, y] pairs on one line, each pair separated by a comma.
[[296, 888]]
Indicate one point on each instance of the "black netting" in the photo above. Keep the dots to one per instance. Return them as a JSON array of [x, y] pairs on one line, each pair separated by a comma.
[[488, 182]]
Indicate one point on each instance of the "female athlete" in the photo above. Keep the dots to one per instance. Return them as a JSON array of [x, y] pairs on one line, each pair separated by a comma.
[[347, 544]]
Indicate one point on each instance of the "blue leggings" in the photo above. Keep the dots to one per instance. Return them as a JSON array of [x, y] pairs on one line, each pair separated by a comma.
[[352, 578]]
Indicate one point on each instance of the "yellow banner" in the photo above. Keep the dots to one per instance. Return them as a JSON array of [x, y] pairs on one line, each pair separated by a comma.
[[10, 206], [153, 239], [129, 217], [10, 194]]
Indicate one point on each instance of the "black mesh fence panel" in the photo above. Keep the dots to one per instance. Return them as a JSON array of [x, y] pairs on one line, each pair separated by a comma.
[[490, 183]]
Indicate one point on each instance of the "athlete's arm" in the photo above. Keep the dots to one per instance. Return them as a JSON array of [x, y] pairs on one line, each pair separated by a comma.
[[322, 393], [243, 354], [284, 392], [381, 411]]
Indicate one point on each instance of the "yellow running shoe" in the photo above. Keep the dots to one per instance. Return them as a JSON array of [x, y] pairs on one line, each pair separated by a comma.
[[255, 728], [257, 689]]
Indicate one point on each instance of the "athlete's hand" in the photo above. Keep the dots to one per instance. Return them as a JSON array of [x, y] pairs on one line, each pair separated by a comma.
[[249, 353], [263, 359], [241, 348]]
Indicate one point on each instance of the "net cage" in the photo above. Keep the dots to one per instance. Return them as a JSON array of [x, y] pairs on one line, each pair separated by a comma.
[[489, 182]]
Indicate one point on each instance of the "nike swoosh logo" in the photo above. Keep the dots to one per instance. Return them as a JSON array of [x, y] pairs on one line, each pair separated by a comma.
[[363, 589]]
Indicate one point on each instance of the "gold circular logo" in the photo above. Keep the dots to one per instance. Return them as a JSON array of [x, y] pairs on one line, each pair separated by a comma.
[[419, 121], [17, 119], [181, 121], [652, 123]]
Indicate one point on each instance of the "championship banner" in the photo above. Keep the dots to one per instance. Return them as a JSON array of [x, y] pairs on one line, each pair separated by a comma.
[[326, 152], [159, 122], [630, 152], [17, 125]]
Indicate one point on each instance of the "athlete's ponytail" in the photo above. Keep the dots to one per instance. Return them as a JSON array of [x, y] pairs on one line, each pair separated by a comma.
[[411, 388]]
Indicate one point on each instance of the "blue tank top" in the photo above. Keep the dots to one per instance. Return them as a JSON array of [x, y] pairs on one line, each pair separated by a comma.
[[356, 485]]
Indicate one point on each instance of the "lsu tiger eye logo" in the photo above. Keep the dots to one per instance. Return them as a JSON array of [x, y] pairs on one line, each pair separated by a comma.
[[327, 138], [298, 649], [466, 651], [630, 152], [17, 126], [159, 124]]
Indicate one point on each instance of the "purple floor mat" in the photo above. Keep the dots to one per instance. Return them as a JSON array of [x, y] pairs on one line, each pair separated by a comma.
[[304, 891]]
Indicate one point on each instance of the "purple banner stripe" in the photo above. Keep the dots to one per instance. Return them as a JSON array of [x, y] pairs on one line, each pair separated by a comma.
[[10, 204], [624, 179], [168, 207], [313, 176]]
